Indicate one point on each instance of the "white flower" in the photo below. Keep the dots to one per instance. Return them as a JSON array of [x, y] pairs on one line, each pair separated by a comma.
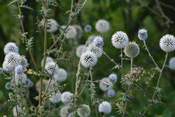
[[88, 59], [98, 51], [88, 28], [105, 84], [66, 97], [65, 110], [102, 26], [105, 107], [50, 67], [18, 111], [55, 98], [24, 62], [84, 110], [172, 63], [111, 93], [61, 75], [167, 43], [80, 49], [11, 47], [132, 50], [19, 69], [79, 31], [113, 78], [12, 60], [120, 40], [8, 85], [98, 41], [48, 59], [20, 78], [52, 25], [90, 39], [62, 28], [71, 32], [142, 34]]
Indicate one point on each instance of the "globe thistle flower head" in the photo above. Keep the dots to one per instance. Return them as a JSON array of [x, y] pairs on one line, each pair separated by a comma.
[[111, 93], [88, 59], [90, 39], [52, 26], [11, 47], [24, 62], [120, 40], [48, 59], [8, 85], [6, 67], [20, 78], [66, 97], [80, 49], [79, 31], [98, 41], [50, 67], [132, 50], [172, 63], [12, 60], [71, 32], [102, 26], [113, 78], [56, 97], [105, 107], [29, 83], [167, 43], [98, 51], [88, 28], [84, 110], [65, 110], [105, 84], [61, 75], [19, 69], [62, 28], [17, 110], [142, 34]]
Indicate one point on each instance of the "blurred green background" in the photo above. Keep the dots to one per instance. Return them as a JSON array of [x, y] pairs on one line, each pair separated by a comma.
[[124, 15]]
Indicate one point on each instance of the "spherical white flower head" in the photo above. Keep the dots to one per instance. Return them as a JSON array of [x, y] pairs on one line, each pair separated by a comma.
[[24, 62], [172, 63], [167, 43], [84, 110], [20, 78], [79, 31], [105, 107], [142, 34], [6, 67], [52, 25], [29, 83], [18, 111], [71, 32], [65, 110], [88, 59], [105, 84], [66, 97], [80, 49], [55, 98], [50, 67], [88, 28], [113, 78], [19, 69], [111, 93], [90, 39], [120, 40], [11, 47], [98, 51], [8, 85], [12, 60], [62, 28], [132, 50], [61, 75], [98, 41], [102, 26], [48, 59]]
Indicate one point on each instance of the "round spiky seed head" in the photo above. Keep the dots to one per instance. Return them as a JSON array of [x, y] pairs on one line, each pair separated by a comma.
[[98, 41], [19, 69], [102, 26], [105, 107], [113, 78], [105, 84], [65, 110], [79, 31], [111, 93], [84, 110], [66, 97], [20, 78], [48, 59], [71, 32], [88, 28], [56, 97], [167, 43], [11, 47], [120, 40], [50, 68], [80, 49], [132, 50], [172, 63], [61, 75], [142, 34], [98, 51], [88, 59], [52, 25]]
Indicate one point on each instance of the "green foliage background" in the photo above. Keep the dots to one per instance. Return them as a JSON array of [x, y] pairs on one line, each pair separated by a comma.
[[125, 15]]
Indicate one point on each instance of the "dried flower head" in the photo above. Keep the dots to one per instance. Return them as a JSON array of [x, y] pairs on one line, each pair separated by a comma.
[[142, 34], [24, 62], [172, 63], [61, 75], [79, 31], [66, 97], [19, 69], [80, 49], [90, 39], [56, 97], [20, 78], [98, 41], [71, 32], [111, 93], [84, 110], [105, 84], [52, 25], [132, 50], [50, 67], [105, 107], [65, 110], [98, 51], [48, 59], [88, 28], [102, 26], [11, 47]]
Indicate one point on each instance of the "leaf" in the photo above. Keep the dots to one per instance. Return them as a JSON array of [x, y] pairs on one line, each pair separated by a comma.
[[26, 7], [12, 2]]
